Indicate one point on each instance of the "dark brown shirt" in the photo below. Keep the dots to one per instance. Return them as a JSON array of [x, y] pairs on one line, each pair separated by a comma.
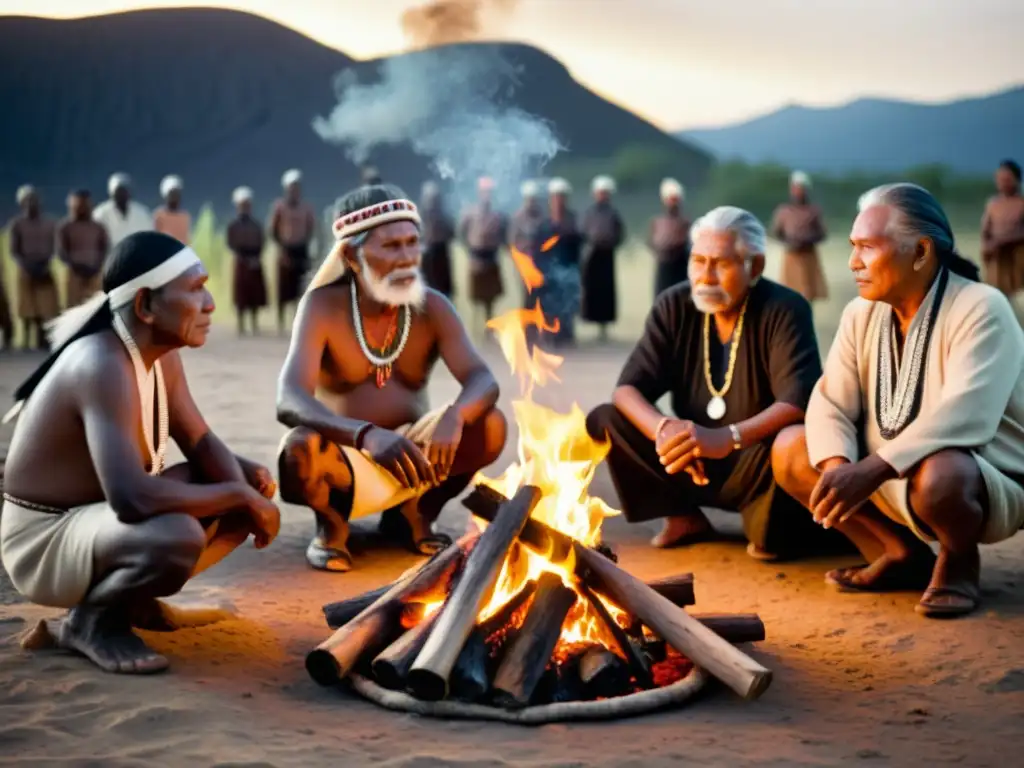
[[524, 229], [245, 237], [83, 245], [602, 226], [798, 225], [482, 228], [670, 232], [438, 227]]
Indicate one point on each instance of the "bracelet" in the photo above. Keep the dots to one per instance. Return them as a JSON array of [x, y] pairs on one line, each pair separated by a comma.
[[737, 439], [661, 425], [359, 434]]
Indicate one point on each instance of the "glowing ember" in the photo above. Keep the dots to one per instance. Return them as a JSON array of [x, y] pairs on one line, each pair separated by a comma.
[[556, 455]]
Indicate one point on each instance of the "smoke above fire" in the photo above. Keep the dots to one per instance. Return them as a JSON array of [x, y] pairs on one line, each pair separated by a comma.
[[454, 21], [451, 105]]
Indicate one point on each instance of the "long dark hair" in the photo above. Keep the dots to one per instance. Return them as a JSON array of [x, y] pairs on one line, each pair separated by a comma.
[[918, 214]]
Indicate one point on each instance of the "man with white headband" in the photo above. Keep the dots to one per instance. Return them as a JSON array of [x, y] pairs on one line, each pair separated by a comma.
[[121, 215], [603, 233], [739, 356], [669, 238], [292, 227], [799, 226], [92, 521], [171, 218], [245, 241], [353, 389]]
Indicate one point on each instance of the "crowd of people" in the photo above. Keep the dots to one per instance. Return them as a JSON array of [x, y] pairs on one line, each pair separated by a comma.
[[575, 254], [911, 433]]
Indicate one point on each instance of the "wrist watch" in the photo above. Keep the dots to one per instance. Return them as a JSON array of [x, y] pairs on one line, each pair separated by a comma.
[[737, 439]]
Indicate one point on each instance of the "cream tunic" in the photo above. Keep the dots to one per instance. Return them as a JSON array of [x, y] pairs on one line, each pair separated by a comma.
[[972, 398]]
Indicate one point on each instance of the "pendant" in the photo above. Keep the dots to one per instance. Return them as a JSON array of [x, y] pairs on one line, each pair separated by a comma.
[[716, 408], [383, 374]]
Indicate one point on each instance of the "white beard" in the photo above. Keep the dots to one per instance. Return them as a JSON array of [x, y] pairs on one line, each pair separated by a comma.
[[710, 300], [385, 291]]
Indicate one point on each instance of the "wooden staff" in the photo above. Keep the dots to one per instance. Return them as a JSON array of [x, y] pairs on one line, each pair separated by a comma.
[[334, 658], [428, 678], [674, 625], [528, 655]]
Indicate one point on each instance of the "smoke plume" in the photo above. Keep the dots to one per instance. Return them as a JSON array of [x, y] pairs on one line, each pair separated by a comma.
[[452, 21], [450, 105]]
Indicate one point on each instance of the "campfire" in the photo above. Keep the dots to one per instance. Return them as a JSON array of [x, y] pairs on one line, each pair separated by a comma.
[[529, 611]]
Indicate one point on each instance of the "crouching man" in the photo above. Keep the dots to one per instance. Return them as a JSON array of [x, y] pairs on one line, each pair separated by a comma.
[[91, 520], [916, 431], [353, 388]]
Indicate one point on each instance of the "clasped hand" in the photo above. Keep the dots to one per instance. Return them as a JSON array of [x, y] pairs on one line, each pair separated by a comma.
[[681, 446], [843, 488], [411, 465]]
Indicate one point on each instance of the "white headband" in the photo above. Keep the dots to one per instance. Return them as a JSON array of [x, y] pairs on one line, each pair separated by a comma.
[[157, 277], [373, 216]]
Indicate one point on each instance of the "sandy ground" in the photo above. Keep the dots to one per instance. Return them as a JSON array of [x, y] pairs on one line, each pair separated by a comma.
[[857, 678]]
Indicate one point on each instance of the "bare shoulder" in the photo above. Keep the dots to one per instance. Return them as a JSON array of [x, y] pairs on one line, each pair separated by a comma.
[[439, 309], [96, 366], [325, 302]]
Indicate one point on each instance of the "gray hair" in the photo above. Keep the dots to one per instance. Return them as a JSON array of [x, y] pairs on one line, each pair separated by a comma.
[[751, 238], [917, 215]]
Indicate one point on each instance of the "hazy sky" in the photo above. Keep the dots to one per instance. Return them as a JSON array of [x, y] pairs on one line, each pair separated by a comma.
[[688, 63]]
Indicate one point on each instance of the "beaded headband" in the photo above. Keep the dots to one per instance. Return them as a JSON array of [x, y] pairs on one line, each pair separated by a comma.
[[373, 216]]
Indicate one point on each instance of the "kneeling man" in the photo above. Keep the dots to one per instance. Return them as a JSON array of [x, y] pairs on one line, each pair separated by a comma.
[[914, 433], [91, 521], [354, 388], [739, 356]]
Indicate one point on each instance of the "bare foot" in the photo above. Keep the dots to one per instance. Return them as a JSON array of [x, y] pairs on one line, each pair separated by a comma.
[[953, 589], [685, 529], [106, 639], [158, 616], [886, 574]]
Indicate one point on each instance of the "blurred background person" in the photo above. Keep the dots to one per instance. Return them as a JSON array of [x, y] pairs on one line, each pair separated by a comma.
[[170, 218], [120, 215], [82, 244], [437, 233], [32, 244], [669, 237], [245, 240], [799, 226], [603, 232], [1002, 232]]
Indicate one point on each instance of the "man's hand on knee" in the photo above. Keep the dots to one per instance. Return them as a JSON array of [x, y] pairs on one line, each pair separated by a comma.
[[258, 477]]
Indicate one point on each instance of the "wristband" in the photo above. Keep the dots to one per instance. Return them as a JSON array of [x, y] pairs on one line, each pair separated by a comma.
[[737, 439], [661, 425], [360, 434]]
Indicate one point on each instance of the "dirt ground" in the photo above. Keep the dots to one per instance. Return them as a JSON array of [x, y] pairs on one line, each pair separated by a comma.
[[857, 678]]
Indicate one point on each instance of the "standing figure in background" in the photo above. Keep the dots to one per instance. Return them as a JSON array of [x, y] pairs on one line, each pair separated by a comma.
[[6, 324], [120, 215], [1002, 232], [524, 228], [482, 229], [438, 233], [603, 232], [798, 225], [32, 239], [245, 241], [82, 244], [292, 227], [560, 264], [669, 238], [170, 218]]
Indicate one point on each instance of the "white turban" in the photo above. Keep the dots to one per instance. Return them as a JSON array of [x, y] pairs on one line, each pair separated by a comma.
[[241, 195], [670, 188], [529, 189], [290, 177], [559, 186], [800, 179], [23, 193], [603, 184], [169, 184], [117, 181], [485, 184]]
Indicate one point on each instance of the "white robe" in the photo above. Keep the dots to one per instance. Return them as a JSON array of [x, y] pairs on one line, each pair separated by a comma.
[[119, 226], [972, 399]]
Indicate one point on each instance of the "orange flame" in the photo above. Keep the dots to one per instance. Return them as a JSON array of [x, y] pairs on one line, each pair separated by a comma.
[[527, 269], [548, 244]]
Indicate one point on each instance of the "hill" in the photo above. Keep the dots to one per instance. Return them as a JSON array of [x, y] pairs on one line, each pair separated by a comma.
[[969, 136], [225, 98]]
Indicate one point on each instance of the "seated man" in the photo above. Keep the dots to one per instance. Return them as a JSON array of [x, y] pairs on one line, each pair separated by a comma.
[[354, 388], [91, 521], [738, 354], [916, 431]]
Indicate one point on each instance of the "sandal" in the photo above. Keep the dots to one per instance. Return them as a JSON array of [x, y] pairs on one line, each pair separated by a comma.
[[394, 525], [324, 558], [760, 554], [948, 602]]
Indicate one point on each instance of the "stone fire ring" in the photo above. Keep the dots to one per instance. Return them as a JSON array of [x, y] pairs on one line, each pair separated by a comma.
[[608, 709]]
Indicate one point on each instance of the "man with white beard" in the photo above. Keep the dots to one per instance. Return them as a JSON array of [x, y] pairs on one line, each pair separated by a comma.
[[353, 388], [739, 357]]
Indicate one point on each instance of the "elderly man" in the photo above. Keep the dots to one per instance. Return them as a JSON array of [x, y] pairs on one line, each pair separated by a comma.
[[669, 238], [354, 388], [1002, 232], [91, 520], [799, 226], [482, 229], [171, 218], [120, 215], [438, 233], [916, 431], [245, 241], [82, 244], [32, 244], [603, 232], [292, 228], [738, 355]]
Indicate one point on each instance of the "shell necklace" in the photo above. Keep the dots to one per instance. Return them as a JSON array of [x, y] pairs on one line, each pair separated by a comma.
[[716, 406], [382, 360], [158, 453]]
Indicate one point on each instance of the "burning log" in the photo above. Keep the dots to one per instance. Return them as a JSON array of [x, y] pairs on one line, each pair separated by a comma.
[[334, 658], [470, 680], [528, 655], [603, 673], [391, 667], [676, 589], [734, 627], [342, 612], [638, 665], [688, 636], [428, 678]]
